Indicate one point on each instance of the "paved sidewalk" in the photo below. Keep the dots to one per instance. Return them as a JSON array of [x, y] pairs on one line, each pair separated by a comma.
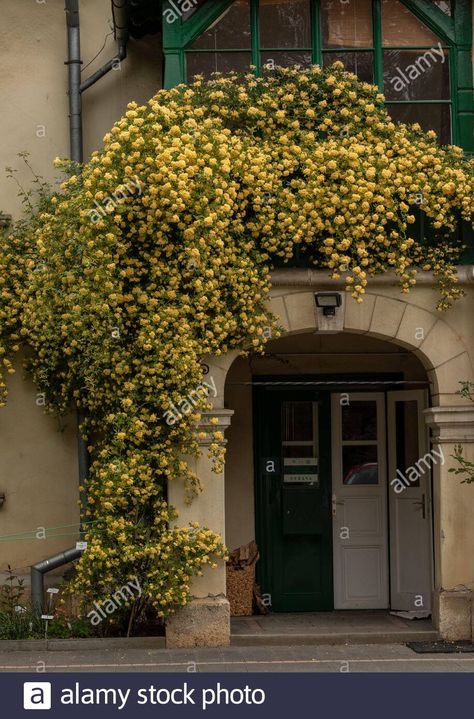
[[323, 658]]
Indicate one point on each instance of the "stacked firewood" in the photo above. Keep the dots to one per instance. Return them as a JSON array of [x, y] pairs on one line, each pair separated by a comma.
[[241, 579]]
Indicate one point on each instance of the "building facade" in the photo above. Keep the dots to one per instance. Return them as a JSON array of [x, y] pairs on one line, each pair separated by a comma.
[[340, 439]]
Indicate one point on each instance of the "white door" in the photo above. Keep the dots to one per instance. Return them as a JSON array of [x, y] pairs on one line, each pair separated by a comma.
[[359, 476], [409, 465]]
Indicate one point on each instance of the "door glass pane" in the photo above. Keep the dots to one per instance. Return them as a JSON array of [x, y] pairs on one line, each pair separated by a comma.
[[271, 58], [205, 63], [297, 418], [416, 74], [298, 450], [359, 465], [430, 117], [300, 444], [359, 420], [407, 440], [400, 27], [230, 30], [360, 63], [347, 24], [285, 23]]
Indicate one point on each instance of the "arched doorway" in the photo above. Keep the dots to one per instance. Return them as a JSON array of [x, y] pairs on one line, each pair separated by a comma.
[[328, 466], [402, 337]]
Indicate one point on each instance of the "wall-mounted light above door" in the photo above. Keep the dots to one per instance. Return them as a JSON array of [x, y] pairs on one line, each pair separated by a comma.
[[328, 302]]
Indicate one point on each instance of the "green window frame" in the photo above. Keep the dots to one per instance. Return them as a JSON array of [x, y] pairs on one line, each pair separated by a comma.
[[455, 33]]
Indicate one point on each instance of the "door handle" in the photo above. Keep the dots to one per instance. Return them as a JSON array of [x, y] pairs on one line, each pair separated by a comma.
[[335, 502]]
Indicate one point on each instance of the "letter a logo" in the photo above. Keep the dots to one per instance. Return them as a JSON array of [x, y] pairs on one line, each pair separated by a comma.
[[36, 695]]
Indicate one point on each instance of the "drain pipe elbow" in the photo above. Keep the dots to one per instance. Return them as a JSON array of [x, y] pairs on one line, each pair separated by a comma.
[[110, 65], [120, 13], [39, 569]]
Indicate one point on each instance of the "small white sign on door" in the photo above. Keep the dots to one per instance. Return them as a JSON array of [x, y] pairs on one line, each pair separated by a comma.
[[301, 478]]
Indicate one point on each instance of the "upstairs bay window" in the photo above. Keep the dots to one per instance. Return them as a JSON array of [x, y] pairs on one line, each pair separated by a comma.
[[416, 51], [416, 71], [225, 46]]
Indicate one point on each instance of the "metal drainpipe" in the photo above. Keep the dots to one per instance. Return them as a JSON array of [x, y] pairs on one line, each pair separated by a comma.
[[74, 79], [75, 87], [76, 151]]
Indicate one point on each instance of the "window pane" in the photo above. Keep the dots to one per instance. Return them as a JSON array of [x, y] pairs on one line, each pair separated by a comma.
[[406, 437], [444, 5], [400, 28], [205, 63], [196, 5], [297, 421], [430, 117], [271, 58], [231, 29], [359, 420], [347, 24], [285, 23], [359, 465], [416, 74], [360, 63]]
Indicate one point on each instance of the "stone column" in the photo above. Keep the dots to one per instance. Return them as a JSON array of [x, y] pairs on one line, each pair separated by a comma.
[[453, 504], [205, 621]]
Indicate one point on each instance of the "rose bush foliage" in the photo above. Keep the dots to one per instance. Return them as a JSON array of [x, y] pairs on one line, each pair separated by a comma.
[[118, 308]]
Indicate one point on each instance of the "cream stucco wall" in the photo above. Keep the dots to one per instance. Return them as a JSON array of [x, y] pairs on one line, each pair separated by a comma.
[[39, 477], [33, 81], [38, 458]]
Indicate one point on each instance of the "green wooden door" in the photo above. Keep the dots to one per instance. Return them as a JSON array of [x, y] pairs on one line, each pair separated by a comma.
[[293, 483]]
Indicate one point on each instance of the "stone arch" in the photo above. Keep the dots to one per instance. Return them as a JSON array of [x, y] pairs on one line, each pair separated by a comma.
[[398, 320], [427, 334]]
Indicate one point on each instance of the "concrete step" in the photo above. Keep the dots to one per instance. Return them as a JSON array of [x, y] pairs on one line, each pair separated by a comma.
[[330, 628]]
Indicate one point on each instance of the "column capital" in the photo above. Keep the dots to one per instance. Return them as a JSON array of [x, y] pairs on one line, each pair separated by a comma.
[[208, 423], [451, 425]]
